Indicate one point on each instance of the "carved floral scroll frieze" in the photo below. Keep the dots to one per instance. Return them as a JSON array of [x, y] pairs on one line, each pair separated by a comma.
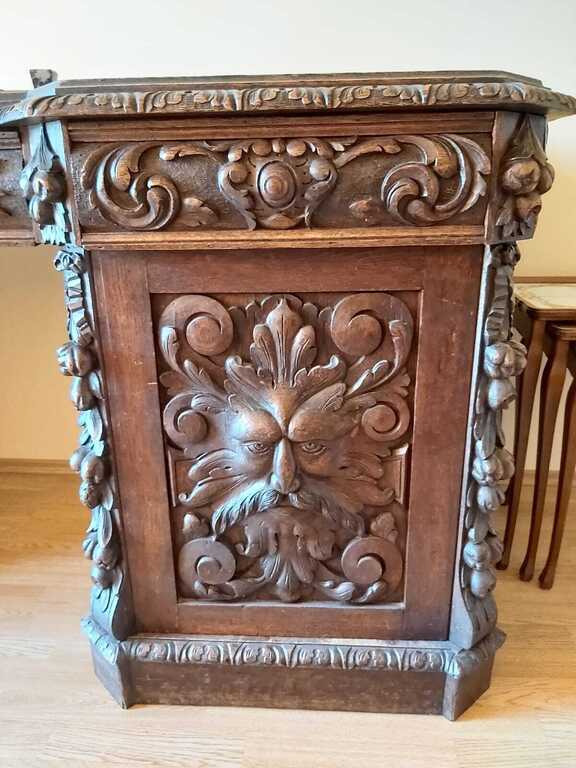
[[526, 175], [492, 466], [78, 358], [279, 183], [288, 411]]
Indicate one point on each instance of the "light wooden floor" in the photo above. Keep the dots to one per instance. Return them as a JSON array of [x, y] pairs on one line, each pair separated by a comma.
[[53, 712]]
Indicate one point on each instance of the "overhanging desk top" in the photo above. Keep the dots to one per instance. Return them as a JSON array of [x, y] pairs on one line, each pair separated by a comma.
[[377, 91], [289, 304]]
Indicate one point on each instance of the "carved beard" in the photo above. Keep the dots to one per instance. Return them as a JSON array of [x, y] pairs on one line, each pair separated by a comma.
[[328, 478], [254, 499]]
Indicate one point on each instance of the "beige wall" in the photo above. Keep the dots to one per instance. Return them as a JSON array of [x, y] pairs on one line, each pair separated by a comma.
[[141, 39]]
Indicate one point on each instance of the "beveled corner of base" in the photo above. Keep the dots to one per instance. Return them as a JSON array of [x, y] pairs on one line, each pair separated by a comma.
[[110, 663], [469, 674]]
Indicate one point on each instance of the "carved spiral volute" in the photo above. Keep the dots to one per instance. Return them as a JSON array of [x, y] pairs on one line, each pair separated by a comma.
[[371, 559], [206, 561]]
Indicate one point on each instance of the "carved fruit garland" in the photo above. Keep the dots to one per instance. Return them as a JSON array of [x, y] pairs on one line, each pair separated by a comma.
[[78, 359], [279, 183], [279, 505], [526, 175], [492, 465], [44, 186]]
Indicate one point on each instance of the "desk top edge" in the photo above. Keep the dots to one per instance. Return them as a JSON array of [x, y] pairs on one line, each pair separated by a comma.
[[383, 91]]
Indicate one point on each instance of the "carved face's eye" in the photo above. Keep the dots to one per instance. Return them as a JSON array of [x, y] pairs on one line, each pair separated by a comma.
[[258, 448], [312, 447]]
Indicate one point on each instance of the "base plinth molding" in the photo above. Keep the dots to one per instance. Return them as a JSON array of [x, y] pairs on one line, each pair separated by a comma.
[[421, 677]]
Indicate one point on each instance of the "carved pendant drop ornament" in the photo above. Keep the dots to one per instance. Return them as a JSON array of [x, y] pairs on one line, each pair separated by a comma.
[[287, 413]]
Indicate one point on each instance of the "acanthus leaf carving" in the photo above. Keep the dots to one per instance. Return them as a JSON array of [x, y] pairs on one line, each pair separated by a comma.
[[279, 183], [300, 405], [411, 191], [135, 198]]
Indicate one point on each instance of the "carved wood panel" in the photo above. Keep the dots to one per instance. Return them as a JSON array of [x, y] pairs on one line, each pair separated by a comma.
[[282, 183], [287, 422]]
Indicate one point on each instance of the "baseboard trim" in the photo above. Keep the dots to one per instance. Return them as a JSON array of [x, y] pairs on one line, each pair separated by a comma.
[[35, 467]]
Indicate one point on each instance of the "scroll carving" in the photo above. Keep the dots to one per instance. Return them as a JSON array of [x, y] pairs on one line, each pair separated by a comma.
[[78, 358], [134, 198], [492, 465], [288, 411], [411, 191], [279, 183], [44, 186], [526, 175]]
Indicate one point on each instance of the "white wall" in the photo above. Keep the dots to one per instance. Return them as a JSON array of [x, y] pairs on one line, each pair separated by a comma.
[[91, 39]]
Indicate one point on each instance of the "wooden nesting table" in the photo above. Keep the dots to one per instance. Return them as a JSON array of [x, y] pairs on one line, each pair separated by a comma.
[[545, 317], [289, 316]]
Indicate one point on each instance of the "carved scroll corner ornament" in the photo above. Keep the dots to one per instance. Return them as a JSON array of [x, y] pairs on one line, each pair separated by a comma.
[[131, 196], [492, 465], [526, 175], [44, 186], [78, 359], [280, 506], [412, 190]]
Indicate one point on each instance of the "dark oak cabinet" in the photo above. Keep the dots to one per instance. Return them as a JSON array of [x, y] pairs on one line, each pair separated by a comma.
[[289, 305]]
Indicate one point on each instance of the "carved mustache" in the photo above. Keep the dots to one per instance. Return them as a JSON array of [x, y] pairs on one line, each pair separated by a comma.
[[255, 500]]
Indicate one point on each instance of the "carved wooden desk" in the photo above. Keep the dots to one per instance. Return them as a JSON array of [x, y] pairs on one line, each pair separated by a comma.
[[289, 318]]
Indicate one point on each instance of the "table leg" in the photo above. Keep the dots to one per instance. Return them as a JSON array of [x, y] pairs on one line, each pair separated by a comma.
[[550, 394], [524, 408], [567, 465]]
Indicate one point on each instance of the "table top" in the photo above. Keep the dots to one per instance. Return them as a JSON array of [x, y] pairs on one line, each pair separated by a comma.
[[547, 299], [373, 91]]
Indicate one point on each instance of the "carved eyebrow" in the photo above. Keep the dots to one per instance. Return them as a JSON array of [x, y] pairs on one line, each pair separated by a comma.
[[261, 428]]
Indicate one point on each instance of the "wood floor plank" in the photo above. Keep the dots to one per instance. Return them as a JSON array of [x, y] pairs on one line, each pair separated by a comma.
[[53, 712]]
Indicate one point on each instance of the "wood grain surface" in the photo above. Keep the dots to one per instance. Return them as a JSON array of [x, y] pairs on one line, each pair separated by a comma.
[[53, 712]]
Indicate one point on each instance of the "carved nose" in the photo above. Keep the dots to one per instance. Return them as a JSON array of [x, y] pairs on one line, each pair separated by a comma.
[[284, 468]]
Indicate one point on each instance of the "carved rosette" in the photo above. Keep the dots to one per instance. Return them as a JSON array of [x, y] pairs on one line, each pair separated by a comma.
[[503, 359], [44, 186], [279, 183], [78, 358], [288, 412], [526, 175]]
